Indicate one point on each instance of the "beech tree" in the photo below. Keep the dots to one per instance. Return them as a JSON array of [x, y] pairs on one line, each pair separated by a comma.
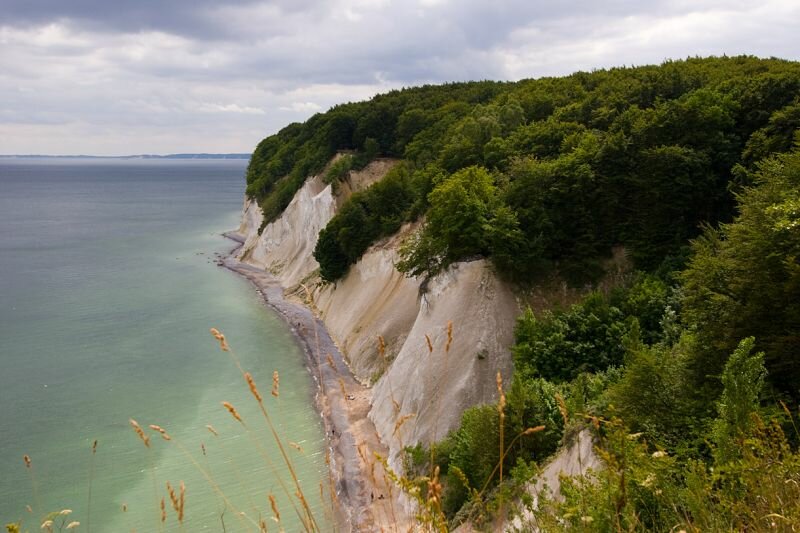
[[744, 278]]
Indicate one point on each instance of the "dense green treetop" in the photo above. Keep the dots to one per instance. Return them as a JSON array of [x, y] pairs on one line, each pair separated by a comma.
[[638, 157]]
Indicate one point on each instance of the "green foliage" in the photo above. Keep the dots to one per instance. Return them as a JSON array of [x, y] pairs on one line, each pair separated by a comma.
[[339, 169], [642, 489], [369, 151], [476, 448], [375, 212], [419, 255], [653, 397], [461, 208], [647, 299], [588, 337], [465, 219], [758, 491], [532, 403], [635, 490], [470, 456], [742, 381], [777, 136], [638, 157], [744, 279], [555, 202]]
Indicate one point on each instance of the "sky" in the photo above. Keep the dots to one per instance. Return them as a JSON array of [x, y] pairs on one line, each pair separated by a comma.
[[115, 77]]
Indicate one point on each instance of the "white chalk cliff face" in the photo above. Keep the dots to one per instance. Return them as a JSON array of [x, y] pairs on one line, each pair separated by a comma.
[[429, 390], [286, 246]]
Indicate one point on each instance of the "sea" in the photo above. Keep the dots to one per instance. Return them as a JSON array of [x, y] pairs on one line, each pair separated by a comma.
[[108, 288]]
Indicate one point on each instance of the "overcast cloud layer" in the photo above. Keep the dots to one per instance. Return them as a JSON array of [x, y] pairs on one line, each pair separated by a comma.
[[165, 76]]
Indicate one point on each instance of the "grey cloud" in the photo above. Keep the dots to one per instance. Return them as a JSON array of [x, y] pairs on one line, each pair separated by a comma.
[[181, 17], [312, 41], [186, 72]]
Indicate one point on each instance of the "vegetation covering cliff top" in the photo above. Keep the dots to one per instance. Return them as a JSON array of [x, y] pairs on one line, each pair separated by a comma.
[[688, 372], [547, 173]]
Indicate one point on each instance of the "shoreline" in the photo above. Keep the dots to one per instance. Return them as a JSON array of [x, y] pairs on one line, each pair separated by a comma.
[[366, 499]]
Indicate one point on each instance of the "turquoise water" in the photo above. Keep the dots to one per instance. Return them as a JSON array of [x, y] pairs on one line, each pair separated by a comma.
[[107, 291]]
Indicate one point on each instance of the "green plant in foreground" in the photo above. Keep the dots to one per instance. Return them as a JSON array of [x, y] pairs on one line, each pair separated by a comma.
[[751, 482]]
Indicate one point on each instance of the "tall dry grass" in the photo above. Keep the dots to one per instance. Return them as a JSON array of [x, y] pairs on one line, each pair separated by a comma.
[[426, 491]]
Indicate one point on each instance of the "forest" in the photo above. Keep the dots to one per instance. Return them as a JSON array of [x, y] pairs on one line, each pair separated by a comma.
[[687, 372]]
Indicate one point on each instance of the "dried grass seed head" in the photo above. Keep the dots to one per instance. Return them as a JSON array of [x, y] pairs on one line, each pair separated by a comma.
[[223, 344], [274, 506], [181, 502], [530, 431], [173, 498], [232, 410], [381, 347], [161, 430], [449, 335], [252, 384], [140, 432]]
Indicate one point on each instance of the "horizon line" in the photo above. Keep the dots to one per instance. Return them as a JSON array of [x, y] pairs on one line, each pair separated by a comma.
[[180, 155]]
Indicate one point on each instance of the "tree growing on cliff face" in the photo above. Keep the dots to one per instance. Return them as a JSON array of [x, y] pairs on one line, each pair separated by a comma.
[[372, 213], [462, 207], [335, 264], [466, 219]]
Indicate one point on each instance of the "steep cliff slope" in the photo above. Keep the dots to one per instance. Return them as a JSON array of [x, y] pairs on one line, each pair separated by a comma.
[[285, 246], [434, 387], [429, 390], [373, 299]]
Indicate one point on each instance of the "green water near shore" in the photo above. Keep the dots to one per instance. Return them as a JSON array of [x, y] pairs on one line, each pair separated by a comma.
[[108, 289]]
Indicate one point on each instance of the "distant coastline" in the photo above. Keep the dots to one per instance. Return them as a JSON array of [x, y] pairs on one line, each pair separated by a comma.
[[139, 156]]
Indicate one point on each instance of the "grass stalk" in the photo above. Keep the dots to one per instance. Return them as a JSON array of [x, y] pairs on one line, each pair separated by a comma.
[[240, 515], [501, 406], [268, 460], [249, 380], [29, 467], [503, 455], [89, 491]]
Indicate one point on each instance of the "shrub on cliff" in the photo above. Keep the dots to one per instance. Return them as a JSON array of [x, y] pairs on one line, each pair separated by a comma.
[[588, 337], [375, 212], [466, 218]]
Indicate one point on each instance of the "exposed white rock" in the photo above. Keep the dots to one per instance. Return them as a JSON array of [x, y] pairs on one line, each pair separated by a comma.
[[373, 299], [435, 388], [286, 245], [574, 460], [431, 389]]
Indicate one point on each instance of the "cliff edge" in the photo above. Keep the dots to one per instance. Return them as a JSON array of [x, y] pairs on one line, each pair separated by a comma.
[[426, 389]]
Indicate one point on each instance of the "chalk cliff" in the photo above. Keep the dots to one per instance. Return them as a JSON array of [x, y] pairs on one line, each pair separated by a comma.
[[429, 390]]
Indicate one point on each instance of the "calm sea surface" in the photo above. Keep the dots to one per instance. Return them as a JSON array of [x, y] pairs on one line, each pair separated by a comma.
[[107, 291]]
